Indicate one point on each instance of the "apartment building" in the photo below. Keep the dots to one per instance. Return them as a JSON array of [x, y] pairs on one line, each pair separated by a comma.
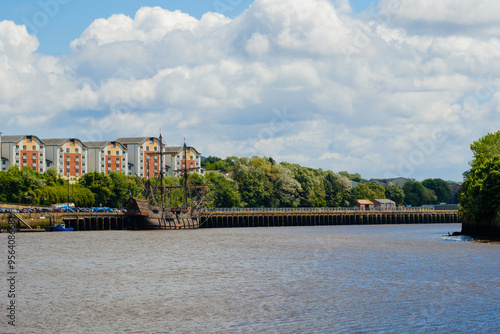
[[68, 155], [107, 156], [175, 159], [23, 151], [143, 157]]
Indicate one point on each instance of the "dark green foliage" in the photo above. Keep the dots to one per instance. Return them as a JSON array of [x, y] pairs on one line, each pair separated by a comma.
[[215, 163], [369, 191], [393, 192], [417, 195], [441, 188], [353, 177], [224, 191], [480, 198]]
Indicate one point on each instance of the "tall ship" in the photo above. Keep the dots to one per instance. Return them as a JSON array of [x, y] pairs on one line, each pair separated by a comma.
[[155, 212]]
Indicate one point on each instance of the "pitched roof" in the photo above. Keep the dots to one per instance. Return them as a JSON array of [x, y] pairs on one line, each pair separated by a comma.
[[133, 140], [384, 201], [59, 141], [15, 139], [100, 144], [55, 141], [94, 144], [173, 149], [364, 202]]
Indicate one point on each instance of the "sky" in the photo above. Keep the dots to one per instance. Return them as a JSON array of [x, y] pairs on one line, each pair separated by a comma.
[[382, 88]]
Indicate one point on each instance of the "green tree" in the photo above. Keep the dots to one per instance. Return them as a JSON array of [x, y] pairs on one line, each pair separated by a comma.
[[441, 188], [417, 195], [224, 191], [394, 193], [337, 189], [480, 197], [369, 191], [100, 185]]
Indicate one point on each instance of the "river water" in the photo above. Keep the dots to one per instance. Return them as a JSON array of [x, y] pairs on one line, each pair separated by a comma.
[[326, 279]]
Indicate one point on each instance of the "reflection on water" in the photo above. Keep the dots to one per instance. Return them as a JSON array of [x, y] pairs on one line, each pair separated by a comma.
[[330, 279]]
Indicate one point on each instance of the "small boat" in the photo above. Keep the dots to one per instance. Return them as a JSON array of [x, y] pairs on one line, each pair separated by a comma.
[[61, 228]]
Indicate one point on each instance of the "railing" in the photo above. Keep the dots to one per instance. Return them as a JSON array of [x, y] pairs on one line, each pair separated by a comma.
[[309, 209]]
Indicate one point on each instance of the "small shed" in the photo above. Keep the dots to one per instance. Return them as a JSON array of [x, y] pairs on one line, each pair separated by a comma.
[[384, 204], [364, 204]]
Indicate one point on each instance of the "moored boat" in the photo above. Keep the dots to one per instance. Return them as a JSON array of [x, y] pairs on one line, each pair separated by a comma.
[[155, 213], [61, 228]]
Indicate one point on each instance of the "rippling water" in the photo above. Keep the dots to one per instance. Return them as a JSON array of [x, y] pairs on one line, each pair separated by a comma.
[[331, 279]]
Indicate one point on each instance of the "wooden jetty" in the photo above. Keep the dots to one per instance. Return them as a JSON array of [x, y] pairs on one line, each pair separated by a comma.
[[265, 218], [317, 218]]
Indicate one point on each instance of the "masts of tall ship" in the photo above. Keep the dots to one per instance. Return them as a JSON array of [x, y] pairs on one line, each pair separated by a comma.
[[184, 173], [159, 173], [153, 214]]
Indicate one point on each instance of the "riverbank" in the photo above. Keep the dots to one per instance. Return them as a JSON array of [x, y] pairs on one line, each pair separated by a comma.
[[489, 230]]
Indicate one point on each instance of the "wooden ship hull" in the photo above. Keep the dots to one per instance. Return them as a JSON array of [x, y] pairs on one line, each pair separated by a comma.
[[144, 216]]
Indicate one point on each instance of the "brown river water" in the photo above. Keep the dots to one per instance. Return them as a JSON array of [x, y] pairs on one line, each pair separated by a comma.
[[325, 279]]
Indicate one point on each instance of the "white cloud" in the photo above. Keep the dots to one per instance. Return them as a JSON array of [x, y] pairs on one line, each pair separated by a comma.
[[306, 82], [446, 16]]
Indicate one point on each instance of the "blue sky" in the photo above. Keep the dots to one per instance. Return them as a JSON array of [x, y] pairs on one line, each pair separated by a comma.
[[383, 88]]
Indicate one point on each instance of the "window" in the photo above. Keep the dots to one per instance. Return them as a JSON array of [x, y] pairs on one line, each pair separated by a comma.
[[156, 148], [34, 147], [117, 152], [76, 150], [117, 161], [109, 152], [61, 149], [147, 148], [67, 150], [34, 155], [24, 147]]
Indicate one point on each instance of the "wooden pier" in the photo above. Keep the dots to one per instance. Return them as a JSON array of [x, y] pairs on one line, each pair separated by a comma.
[[93, 222], [312, 218], [265, 218]]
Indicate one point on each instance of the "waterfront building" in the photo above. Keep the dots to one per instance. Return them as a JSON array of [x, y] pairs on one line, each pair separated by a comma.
[[175, 160], [364, 204], [107, 156], [384, 204], [23, 151], [143, 158], [68, 155]]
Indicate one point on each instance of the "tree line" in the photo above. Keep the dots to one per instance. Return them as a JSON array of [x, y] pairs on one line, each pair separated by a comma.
[[233, 182]]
